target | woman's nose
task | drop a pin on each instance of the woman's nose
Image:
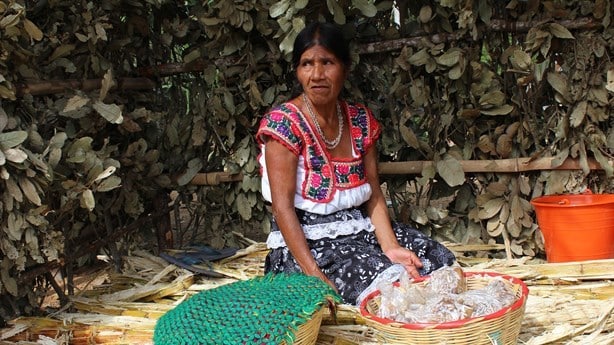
(318, 71)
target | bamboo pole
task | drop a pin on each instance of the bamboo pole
(458, 247)
(510, 165)
(576, 270)
(582, 290)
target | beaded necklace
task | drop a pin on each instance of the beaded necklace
(330, 144)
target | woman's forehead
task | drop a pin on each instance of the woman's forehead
(317, 51)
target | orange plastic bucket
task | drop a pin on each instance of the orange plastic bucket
(576, 227)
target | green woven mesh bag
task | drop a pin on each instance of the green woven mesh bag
(261, 310)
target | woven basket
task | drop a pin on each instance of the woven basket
(267, 310)
(500, 328)
(307, 333)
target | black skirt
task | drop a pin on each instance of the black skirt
(353, 261)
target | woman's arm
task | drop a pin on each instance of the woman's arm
(282, 169)
(378, 212)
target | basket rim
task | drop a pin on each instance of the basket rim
(451, 324)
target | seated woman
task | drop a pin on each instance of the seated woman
(319, 172)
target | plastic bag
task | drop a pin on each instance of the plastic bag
(443, 297)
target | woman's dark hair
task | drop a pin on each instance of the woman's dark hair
(327, 35)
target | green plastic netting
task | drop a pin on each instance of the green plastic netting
(261, 310)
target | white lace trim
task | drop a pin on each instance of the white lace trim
(326, 230)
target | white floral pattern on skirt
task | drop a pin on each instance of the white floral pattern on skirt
(353, 261)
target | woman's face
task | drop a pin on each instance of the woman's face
(321, 75)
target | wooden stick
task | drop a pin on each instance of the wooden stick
(215, 178)
(56, 287)
(495, 25)
(510, 165)
(46, 87)
(164, 229)
(199, 65)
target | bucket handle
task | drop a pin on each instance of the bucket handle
(587, 191)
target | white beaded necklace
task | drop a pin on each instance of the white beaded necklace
(330, 144)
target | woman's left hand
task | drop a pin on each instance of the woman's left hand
(407, 258)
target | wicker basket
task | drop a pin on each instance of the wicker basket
(307, 333)
(500, 328)
(266, 310)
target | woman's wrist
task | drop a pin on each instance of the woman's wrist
(389, 250)
(388, 246)
(316, 273)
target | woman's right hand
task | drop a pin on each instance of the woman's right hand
(407, 258)
(325, 279)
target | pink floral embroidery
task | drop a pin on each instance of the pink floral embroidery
(356, 133)
(276, 116)
(326, 171)
(316, 180)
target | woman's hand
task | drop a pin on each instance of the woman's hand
(407, 258)
(325, 279)
(317, 272)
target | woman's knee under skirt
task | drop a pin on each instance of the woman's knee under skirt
(352, 262)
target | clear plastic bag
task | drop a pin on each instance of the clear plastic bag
(443, 297)
(447, 280)
(489, 299)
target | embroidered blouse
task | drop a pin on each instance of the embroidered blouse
(325, 184)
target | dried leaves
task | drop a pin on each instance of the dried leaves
(63, 158)
(502, 96)
(507, 212)
(460, 91)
